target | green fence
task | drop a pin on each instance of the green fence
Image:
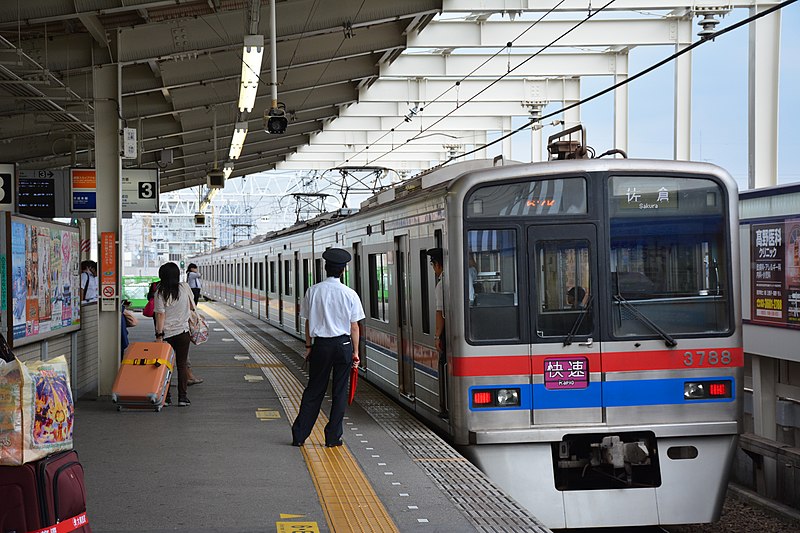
(134, 288)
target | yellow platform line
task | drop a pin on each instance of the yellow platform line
(347, 497)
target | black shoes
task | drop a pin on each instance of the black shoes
(184, 402)
(295, 443)
(333, 444)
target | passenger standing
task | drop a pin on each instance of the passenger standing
(193, 279)
(440, 338)
(332, 311)
(171, 309)
(88, 281)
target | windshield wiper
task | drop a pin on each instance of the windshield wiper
(578, 321)
(668, 340)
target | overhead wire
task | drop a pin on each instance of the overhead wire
(333, 56)
(457, 83)
(628, 80)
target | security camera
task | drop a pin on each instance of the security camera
(276, 121)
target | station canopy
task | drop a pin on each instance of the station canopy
(180, 65)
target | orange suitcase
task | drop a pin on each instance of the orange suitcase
(143, 377)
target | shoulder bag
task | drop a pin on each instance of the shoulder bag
(198, 328)
(149, 309)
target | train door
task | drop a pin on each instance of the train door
(563, 324)
(250, 279)
(297, 294)
(280, 288)
(405, 345)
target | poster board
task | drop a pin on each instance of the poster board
(41, 279)
(775, 272)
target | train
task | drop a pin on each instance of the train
(594, 357)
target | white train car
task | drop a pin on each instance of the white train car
(620, 406)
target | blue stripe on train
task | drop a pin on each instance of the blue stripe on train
(608, 394)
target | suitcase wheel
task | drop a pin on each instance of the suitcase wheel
(119, 408)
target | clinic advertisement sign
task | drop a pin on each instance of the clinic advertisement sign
(775, 272)
(83, 189)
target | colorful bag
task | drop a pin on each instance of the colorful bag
(149, 309)
(36, 410)
(198, 328)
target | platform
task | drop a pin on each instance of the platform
(226, 462)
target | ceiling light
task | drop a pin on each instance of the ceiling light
(252, 55)
(237, 142)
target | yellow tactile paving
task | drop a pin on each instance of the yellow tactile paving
(347, 497)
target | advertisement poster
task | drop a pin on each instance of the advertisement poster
(19, 282)
(44, 276)
(775, 271)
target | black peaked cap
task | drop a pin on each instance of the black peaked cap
(336, 256)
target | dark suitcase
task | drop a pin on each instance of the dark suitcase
(19, 493)
(46, 495)
(62, 490)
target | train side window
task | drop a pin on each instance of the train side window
(494, 311)
(307, 281)
(287, 278)
(379, 286)
(425, 299)
(272, 277)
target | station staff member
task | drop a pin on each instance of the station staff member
(332, 311)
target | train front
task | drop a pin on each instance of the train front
(596, 363)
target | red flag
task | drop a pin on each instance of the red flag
(353, 384)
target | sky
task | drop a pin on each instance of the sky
(719, 102)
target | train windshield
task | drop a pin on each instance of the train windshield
(493, 289)
(669, 273)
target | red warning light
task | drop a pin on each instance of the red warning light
(718, 390)
(482, 398)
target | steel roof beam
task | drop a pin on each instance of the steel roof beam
(595, 32)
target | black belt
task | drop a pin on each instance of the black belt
(330, 340)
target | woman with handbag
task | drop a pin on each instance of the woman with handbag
(149, 310)
(172, 310)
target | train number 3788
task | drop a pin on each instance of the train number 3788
(712, 357)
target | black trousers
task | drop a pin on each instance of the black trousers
(328, 355)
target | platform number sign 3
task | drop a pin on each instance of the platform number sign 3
(5, 190)
(147, 189)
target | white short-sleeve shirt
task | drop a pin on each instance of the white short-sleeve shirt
(176, 312)
(91, 288)
(330, 307)
(438, 294)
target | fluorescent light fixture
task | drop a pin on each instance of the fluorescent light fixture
(237, 142)
(227, 170)
(251, 69)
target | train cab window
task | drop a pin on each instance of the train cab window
(287, 278)
(493, 304)
(378, 265)
(669, 273)
(563, 288)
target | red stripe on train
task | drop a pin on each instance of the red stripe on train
(512, 365)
